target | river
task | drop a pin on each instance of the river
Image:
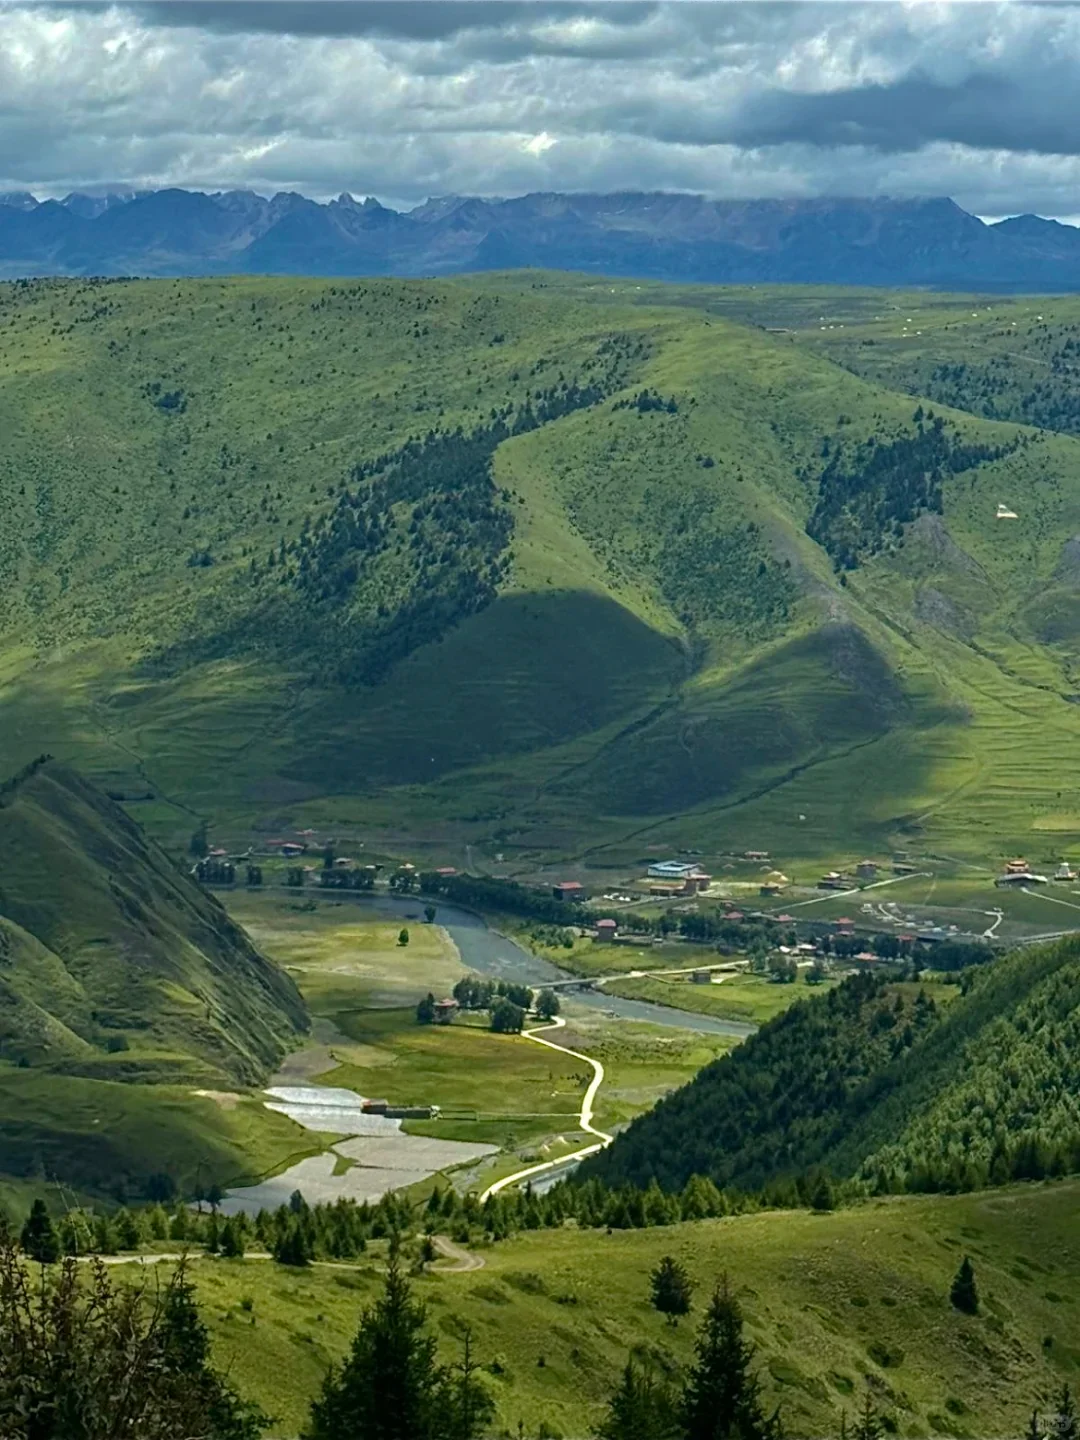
(490, 953)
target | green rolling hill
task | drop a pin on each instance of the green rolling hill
(885, 1085)
(124, 988)
(542, 565)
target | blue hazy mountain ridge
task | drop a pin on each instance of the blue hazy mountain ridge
(651, 235)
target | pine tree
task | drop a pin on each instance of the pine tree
(868, 1426)
(185, 1347)
(127, 1230)
(722, 1400)
(39, 1240)
(391, 1387)
(291, 1247)
(467, 1405)
(232, 1239)
(1064, 1425)
(641, 1408)
(964, 1293)
(671, 1289)
(821, 1197)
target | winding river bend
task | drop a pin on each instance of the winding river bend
(489, 953)
(388, 1161)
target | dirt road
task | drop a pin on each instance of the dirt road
(462, 1261)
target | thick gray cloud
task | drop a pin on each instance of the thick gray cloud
(406, 99)
(405, 19)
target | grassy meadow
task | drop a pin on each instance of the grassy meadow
(837, 1304)
(744, 997)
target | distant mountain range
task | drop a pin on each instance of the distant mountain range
(658, 236)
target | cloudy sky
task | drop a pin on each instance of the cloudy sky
(403, 100)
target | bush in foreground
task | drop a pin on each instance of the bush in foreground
(82, 1360)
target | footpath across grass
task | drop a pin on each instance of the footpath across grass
(836, 1304)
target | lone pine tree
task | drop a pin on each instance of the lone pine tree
(964, 1293)
(391, 1386)
(722, 1397)
(671, 1289)
(39, 1240)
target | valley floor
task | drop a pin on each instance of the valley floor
(506, 1103)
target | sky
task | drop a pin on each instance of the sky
(406, 100)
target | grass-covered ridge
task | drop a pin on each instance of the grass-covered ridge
(526, 563)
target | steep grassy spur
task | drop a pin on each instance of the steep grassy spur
(124, 991)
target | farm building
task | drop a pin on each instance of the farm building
(606, 930)
(671, 870)
(833, 880)
(445, 1010)
(568, 890)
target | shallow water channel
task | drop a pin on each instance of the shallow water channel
(486, 951)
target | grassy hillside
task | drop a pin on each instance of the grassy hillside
(122, 986)
(837, 1304)
(888, 1084)
(532, 565)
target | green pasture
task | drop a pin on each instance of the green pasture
(836, 1304)
(750, 997)
(670, 660)
(97, 1135)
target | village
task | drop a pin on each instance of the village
(671, 925)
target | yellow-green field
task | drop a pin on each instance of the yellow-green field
(342, 959)
(736, 997)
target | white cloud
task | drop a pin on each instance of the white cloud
(973, 100)
(539, 143)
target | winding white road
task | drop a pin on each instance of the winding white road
(584, 1119)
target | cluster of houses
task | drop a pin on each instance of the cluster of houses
(1018, 872)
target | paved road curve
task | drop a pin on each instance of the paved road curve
(584, 1119)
